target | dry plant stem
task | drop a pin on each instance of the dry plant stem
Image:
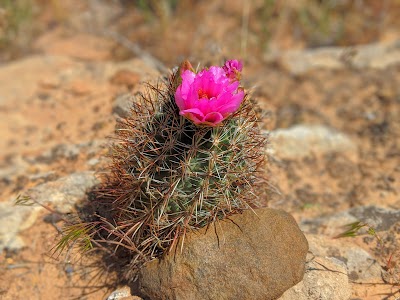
(135, 49)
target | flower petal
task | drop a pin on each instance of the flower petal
(188, 77)
(234, 102)
(213, 118)
(183, 91)
(179, 98)
(193, 114)
(187, 81)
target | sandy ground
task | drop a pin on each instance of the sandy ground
(64, 96)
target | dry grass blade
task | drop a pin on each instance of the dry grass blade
(352, 229)
(24, 200)
(75, 234)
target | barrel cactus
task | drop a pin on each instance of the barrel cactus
(190, 153)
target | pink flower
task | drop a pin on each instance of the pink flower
(232, 69)
(210, 96)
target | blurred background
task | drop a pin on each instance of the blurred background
(325, 74)
(171, 30)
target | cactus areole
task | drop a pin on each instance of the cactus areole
(190, 153)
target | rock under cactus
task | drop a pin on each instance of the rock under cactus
(255, 256)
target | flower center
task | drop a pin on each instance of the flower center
(202, 94)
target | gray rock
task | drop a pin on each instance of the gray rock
(65, 192)
(303, 140)
(47, 176)
(62, 194)
(360, 264)
(123, 293)
(325, 279)
(122, 105)
(14, 167)
(67, 151)
(330, 225)
(93, 161)
(118, 294)
(12, 220)
(379, 218)
(251, 256)
(379, 56)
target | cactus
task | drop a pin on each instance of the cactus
(169, 175)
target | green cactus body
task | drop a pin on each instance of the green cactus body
(169, 176)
